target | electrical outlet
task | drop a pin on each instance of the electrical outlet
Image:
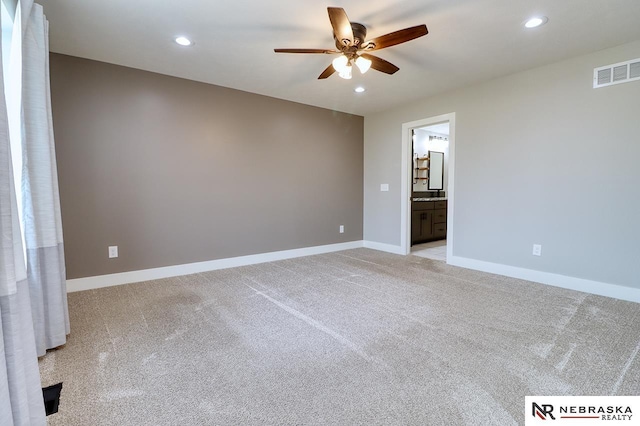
(342, 229)
(384, 187)
(537, 250)
(113, 252)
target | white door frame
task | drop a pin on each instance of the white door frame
(407, 179)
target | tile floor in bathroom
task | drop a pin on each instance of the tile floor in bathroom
(436, 250)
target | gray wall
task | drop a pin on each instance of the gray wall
(174, 171)
(540, 157)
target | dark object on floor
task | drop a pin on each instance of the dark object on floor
(51, 396)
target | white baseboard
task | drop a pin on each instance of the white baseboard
(89, 283)
(556, 280)
(389, 248)
(563, 281)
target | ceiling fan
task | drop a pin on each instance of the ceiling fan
(351, 44)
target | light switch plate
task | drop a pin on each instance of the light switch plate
(537, 250)
(384, 187)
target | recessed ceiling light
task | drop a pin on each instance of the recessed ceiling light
(536, 21)
(359, 89)
(183, 41)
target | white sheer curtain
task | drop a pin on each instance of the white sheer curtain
(33, 302)
(41, 201)
(20, 392)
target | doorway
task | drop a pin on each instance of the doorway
(431, 205)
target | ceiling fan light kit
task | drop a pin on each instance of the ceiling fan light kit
(351, 44)
(344, 66)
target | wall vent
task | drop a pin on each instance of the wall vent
(622, 72)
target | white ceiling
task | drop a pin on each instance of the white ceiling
(442, 128)
(468, 41)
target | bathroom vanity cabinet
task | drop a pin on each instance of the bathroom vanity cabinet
(428, 220)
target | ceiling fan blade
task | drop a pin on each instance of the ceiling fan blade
(396, 37)
(326, 73)
(341, 25)
(329, 51)
(380, 64)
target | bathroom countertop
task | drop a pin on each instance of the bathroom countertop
(431, 199)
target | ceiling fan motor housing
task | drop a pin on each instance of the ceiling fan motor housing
(359, 36)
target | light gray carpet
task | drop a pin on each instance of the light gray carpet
(355, 337)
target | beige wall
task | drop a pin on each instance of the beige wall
(174, 171)
(541, 157)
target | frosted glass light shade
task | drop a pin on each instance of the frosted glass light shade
(363, 64)
(346, 73)
(340, 63)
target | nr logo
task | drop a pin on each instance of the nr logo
(542, 411)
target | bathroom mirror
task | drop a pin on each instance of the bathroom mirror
(436, 170)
